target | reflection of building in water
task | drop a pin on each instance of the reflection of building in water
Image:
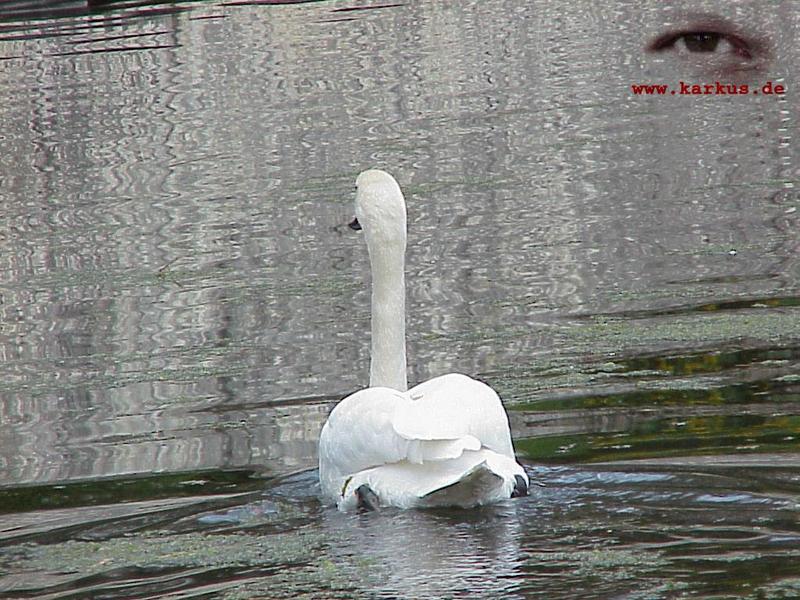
(272, 439)
(174, 189)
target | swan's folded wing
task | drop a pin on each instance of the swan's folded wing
(359, 432)
(362, 432)
(454, 407)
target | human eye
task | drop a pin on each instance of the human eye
(704, 42)
(713, 44)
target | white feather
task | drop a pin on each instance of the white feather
(444, 442)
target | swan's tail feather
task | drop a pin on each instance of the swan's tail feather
(474, 478)
(477, 486)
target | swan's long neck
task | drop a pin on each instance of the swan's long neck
(388, 366)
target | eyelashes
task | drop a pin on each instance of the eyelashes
(702, 41)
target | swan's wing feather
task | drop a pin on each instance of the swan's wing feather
(362, 432)
(451, 407)
(420, 451)
(358, 435)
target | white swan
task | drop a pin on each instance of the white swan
(445, 442)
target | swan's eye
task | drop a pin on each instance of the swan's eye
(354, 225)
(701, 41)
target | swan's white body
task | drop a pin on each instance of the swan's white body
(445, 442)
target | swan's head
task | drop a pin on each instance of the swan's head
(380, 208)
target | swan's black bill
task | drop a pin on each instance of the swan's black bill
(354, 225)
(520, 487)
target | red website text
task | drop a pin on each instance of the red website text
(707, 89)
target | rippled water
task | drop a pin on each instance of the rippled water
(181, 302)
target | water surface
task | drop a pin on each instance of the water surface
(181, 301)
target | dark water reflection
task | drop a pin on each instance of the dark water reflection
(181, 303)
(583, 533)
